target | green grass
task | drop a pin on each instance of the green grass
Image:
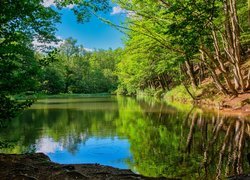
(179, 93)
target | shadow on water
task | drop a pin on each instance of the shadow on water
(149, 137)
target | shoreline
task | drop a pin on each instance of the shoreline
(230, 106)
(38, 166)
(238, 106)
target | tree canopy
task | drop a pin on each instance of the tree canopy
(194, 39)
(200, 44)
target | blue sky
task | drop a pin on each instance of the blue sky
(94, 34)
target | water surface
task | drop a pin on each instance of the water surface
(151, 138)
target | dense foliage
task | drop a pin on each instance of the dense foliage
(203, 43)
(168, 43)
(21, 22)
(79, 71)
(188, 42)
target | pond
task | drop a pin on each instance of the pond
(149, 137)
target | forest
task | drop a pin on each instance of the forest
(200, 47)
(172, 102)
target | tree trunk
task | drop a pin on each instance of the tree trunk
(221, 66)
(161, 82)
(192, 96)
(248, 80)
(190, 72)
(215, 77)
(233, 36)
(201, 73)
(165, 82)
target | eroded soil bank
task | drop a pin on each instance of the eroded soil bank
(39, 166)
(232, 106)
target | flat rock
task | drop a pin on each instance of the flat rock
(38, 166)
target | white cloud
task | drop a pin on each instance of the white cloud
(48, 3)
(48, 145)
(71, 6)
(88, 49)
(117, 10)
(42, 45)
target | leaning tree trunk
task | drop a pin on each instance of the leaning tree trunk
(190, 72)
(233, 48)
(248, 80)
(221, 67)
(211, 69)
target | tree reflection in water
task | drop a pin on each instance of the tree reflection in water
(183, 144)
(165, 140)
(226, 148)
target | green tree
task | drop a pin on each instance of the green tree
(202, 37)
(68, 50)
(80, 71)
(21, 22)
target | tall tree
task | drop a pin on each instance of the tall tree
(204, 34)
(21, 22)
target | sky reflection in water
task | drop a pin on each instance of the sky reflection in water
(151, 138)
(109, 151)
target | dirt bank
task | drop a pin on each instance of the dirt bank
(235, 106)
(38, 166)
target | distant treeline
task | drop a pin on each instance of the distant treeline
(75, 70)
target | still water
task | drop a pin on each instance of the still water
(149, 137)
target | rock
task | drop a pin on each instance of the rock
(68, 167)
(75, 175)
(39, 166)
